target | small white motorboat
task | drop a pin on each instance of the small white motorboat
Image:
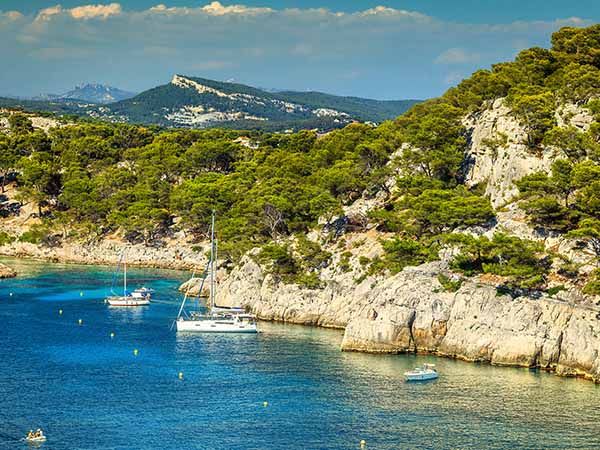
(427, 372)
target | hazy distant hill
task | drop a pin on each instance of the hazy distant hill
(201, 103)
(97, 93)
(91, 93)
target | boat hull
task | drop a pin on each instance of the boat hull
(127, 301)
(215, 326)
(421, 376)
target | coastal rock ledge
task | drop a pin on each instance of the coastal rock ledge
(6, 272)
(411, 312)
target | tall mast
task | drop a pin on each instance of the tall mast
(212, 262)
(124, 277)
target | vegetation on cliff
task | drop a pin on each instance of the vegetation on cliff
(91, 180)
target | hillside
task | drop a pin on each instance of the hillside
(469, 226)
(58, 107)
(198, 102)
(201, 103)
(95, 93)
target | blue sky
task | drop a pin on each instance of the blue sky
(390, 49)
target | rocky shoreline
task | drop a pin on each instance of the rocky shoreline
(411, 312)
(178, 256)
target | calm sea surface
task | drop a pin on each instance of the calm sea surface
(89, 391)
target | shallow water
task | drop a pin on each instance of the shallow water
(88, 391)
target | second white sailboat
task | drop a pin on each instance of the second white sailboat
(218, 319)
(137, 298)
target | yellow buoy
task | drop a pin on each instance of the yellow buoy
(60, 312)
(135, 352)
(80, 322)
(265, 404)
(181, 375)
(363, 443)
(112, 335)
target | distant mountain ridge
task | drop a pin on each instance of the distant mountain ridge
(90, 92)
(202, 103)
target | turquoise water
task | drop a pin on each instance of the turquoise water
(88, 391)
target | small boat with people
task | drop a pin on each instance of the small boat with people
(218, 319)
(427, 372)
(139, 297)
(36, 437)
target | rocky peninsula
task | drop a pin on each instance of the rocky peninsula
(413, 312)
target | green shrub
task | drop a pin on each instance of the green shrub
(520, 260)
(310, 280)
(344, 263)
(364, 261)
(279, 260)
(5, 238)
(555, 290)
(448, 284)
(400, 253)
(33, 236)
(593, 285)
(312, 256)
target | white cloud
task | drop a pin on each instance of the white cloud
(217, 9)
(47, 13)
(385, 50)
(384, 11)
(12, 15)
(95, 11)
(84, 12)
(212, 9)
(457, 56)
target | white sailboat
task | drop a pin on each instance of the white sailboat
(219, 319)
(137, 298)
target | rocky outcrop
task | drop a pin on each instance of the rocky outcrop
(411, 312)
(7, 272)
(497, 154)
(248, 286)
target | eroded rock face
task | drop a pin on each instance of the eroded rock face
(476, 324)
(332, 306)
(6, 272)
(411, 312)
(498, 155)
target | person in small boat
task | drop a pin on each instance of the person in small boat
(30, 435)
(39, 433)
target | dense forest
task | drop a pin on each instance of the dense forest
(90, 180)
